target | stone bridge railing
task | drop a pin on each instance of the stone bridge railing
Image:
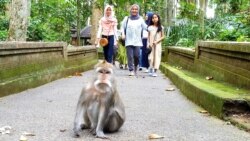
(25, 65)
(224, 61)
(214, 75)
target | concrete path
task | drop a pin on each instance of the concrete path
(48, 112)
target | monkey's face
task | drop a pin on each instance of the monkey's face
(104, 78)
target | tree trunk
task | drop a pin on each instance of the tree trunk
(95, 17)
(19, 15)
(170, 12)
(202, 15)
(78, 24)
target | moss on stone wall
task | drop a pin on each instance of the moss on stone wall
(28, 65)
(44, 76)
(209, 94)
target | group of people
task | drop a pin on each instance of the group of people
(142, 39)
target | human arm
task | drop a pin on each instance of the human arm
(144, 25)
(115, 33)
(150, 44)
(161, 38)
(124, 22)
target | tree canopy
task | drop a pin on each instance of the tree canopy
(51, 20)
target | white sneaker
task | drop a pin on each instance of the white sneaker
(150, 72)
(154, 75)
(131, 73)
(146, 71)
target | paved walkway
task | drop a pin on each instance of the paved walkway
(48, 112)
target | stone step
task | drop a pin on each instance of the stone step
(218, 98)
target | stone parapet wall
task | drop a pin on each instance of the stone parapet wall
(78, 56)
(224, 61)
(25, 65)
(226, 94)
(180, 57)
(24, 58)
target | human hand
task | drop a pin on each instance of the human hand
(151, 45)
(97, 43)
(123, 37)
(155, 43)
(116, 43)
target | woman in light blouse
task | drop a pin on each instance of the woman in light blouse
(107, 29)
(132, 27)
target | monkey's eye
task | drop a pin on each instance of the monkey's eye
(108, 72)
(100, 71)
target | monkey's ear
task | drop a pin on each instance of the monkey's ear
(103, 64)
(104, 61)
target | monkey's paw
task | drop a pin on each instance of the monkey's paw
(92, 131)
(76, 132)
(83, 126)
(101, 135)
(76, 135)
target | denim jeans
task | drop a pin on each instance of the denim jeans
(108, 50)
(133, 54)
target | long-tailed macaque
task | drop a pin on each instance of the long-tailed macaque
(100, 107)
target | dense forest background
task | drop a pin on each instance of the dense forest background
(185, 21)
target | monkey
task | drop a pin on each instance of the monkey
(100, 107)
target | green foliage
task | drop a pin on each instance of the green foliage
(232, 23)
(3, 35)
(4, 24)
(51, 20)
(4, 21)
(228, 28)
(185, 34)
(121, 54)
(189, 11)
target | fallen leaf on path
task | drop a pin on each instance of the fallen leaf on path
(28, 134)
(209, 77)
(170, 89)
(62, 130)
(155, 136)
(23, 138)
(203, 111)
(77, 74)
(69, 76)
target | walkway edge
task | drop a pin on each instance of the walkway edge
(210, 97)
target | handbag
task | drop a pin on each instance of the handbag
(103, 42)
(148, 50)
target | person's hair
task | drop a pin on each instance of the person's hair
(149, 15)
(158, 23)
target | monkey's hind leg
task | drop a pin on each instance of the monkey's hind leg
(92, 113)
(81, 120)
(114, 122)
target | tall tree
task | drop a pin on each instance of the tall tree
(170, 12)
(96, 15)
(19, 15)
(203, 5)
(78, 21)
